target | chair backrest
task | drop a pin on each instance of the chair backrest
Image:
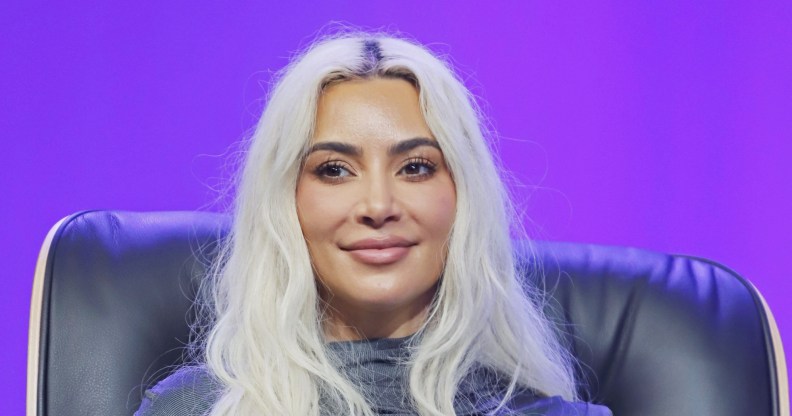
(655, 334)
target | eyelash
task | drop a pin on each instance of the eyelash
(323, 171)
(331, 171)
(419, 162)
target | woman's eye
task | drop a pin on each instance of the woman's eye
(332, 170)
(418, 169)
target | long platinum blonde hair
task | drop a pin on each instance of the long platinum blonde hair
(265, 342)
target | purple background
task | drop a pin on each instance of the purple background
(663, 125)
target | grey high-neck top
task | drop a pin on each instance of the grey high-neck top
(378, 368)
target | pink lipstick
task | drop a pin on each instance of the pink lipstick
(379, 251)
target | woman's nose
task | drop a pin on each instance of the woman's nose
(378, 204)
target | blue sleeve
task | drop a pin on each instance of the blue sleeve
(190, 391)
(556, 406)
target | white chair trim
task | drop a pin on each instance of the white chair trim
(780, 360)
(34, 327)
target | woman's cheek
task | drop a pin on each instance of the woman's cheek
(445, 205)
(321, 206)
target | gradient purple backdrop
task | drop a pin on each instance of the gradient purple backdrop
(663, 125)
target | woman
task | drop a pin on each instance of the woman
(369, 268)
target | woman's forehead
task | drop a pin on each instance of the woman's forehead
(370, 111)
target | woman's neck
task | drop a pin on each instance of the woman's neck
(345, 323)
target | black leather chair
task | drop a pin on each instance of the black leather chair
(655, 334)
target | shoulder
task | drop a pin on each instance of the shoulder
(556, 406)
(484, 388)
(190, 391)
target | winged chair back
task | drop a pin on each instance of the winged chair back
(655, 334)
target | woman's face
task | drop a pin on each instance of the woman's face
(376, 203)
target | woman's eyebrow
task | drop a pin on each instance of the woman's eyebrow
(410, 144)
(395, 149)
(343, 148)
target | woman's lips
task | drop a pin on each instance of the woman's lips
(379, 251)
(379, 256)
